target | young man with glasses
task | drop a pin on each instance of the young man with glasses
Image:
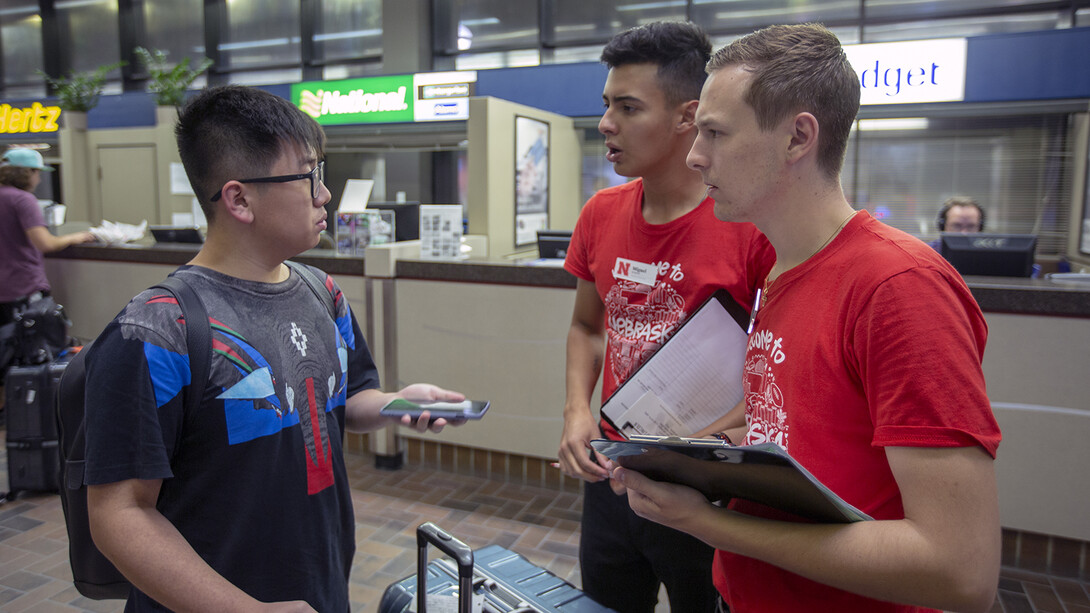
(244, 505)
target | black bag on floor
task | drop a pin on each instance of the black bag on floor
(41, 331)
(33, 463)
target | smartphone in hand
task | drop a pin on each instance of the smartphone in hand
(451, 411)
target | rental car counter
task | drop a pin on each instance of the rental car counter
(496, 330)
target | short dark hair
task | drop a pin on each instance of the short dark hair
(962, 201)
(799, 68)
(236, 132)
(679, 49)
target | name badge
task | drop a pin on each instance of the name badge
(637, 272)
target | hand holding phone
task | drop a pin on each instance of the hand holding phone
(451, 411)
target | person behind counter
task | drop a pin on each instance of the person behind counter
(961, 214)
(24, 237)
(245, 505)
(662, 218)
(864, 362)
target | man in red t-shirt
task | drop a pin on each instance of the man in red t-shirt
(664, 220)
(864, 362)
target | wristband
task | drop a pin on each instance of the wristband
(723, 437)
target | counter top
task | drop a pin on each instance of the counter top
(504, 272)
(1030, 296)
(177, 254)
(994, 294)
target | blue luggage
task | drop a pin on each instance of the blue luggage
(508, 582)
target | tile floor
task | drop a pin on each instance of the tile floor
(538, 522)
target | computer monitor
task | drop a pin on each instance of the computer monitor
(553, 244)
(176, 234)
(996, 255)
(406, 218)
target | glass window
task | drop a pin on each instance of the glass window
(847, 35)
(489, 24)
(89, 33)
(580, 20)
(570, 55)
(1082, 18)
(349, 29)
(598, 172)
(264, 77)
(499, 59)
(914, 9)
(261, 33)
(751, 14)
(337, 72)
(177, 27)
(1018, 167)
(21, 34)
(969, 26)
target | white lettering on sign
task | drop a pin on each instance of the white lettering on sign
(359, 101)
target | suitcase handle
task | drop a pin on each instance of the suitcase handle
(430, 533)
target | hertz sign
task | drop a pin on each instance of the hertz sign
(34, 119)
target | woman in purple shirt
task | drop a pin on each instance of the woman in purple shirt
(23, 233)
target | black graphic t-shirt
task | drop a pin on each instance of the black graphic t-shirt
(255, 480)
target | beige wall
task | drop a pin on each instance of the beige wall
(506, 344)
(94, 291)
(1036, 371)
(491, 207)
(121, 175)
(499, 343)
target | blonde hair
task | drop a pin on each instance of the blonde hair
(799, 68)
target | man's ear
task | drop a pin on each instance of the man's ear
(688, 115)
(804, 131)
(235, 202)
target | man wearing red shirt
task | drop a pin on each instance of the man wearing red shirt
(864, 362)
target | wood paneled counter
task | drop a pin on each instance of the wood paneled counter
(496, 330)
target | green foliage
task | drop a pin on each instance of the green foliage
(79, 91)
(169, 84)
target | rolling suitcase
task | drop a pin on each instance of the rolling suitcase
(33, 457)
(505, 581)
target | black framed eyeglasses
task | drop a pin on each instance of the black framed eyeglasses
(316, 176)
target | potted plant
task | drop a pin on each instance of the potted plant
(169, 84)
(79, 91)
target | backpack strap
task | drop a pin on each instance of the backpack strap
(316, 285)
(199, 343)
(198, 336)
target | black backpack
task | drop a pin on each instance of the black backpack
(93, 575)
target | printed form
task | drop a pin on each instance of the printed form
(692, 380)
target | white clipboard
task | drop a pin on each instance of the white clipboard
(694, 378)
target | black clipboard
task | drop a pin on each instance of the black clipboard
(763, 473)
(720, 298)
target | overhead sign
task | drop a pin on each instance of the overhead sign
(910, 71)
(435, 96)
(34, 119)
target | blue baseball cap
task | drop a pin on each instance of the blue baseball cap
(25, 158)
